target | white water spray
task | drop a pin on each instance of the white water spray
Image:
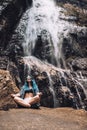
(56, 103)
(77, 90)
(44, 15)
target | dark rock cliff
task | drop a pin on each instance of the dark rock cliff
(74, 50)
(9, 20)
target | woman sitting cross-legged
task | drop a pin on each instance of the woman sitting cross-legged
(29, 94)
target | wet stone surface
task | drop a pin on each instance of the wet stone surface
(43, 119)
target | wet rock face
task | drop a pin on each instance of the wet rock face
(8, 23)
(44, 49)
(7, 87)
(59, 87)
(16, 69)
(3, 63)
(75, 45)
(3, 4)
(79, 64)
(81, 3)
(66, 98)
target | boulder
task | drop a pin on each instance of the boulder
(7, 86)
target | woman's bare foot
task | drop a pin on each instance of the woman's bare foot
(13, 95)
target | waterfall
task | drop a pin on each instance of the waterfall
(80, 77)
(77, 83)
(44, 22)
(56, 103)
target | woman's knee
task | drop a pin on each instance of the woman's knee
(21, 102)
(16, 99)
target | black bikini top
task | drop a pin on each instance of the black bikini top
(29, 91)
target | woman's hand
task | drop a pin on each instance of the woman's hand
(39, 93)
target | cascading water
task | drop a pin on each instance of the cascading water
(44, 22)
(56, 104)
(77, 85)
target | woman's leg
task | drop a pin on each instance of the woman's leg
(35, 99)
(21, 102)
(15, 95)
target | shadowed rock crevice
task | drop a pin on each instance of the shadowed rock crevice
(9, 19)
